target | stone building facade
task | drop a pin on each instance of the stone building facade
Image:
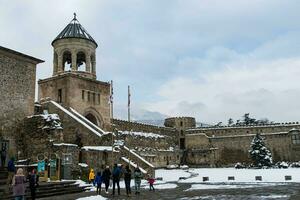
(17, 89)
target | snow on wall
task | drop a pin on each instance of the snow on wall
(77, 119)
(142, 134)
(65, 144)
(142, 159)
(90, 123)
(133, 164)
(97, 148)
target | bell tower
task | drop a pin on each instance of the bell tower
(73, 82)
(74, 50)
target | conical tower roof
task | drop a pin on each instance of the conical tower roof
(74, 30)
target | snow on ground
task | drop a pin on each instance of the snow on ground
(230, 186)
(96, 197)
(171, 175)
(240, 175)
(165, 186)
(249, 197)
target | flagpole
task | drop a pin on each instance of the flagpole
(111, 120)
(128, 104)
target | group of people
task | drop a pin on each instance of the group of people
(105, 175)
(18, 180)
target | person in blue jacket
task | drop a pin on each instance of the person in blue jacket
(98, 182)
(116, 173)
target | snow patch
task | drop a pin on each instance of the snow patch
(97, 148)
(96, 197)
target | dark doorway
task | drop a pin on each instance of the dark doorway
(92, 118)
(182, 143)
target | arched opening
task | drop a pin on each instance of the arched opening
(67, 61)
(92, 118)
(81, 61)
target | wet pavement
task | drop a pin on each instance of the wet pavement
(277, 192)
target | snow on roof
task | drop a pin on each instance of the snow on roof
(97, 148)
(133, 164)
(77, 119)
(142, 159)
(65, 144)
(142, 134)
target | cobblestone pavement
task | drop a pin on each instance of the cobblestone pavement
(278, 192)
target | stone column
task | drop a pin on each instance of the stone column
(88, 63)
(55, 63)
(94, 65)
(60, 64)
(74, 61)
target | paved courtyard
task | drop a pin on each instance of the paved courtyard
(285, 191)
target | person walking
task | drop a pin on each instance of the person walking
(18, 183)
(151, 181)
(91, 176)
(116, 178)
(127, 179)
(3, 156)
(98, 182)
(11, 172)
(33, 179)
(137, 179)
(106, 177)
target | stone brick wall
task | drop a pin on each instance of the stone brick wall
(124, 125)
(72, 130)
(242, 130)
(17, 89)
(231, 149)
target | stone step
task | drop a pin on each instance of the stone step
(53, 190)
(49, 194)
(3, 181)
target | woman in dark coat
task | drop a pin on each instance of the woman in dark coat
(127, 179)
(106, 177)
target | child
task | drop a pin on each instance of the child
(98, 182)
(151, 181)
(91, 176)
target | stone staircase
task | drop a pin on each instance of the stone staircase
(52, 189)
(129, 156)
(3, 179)
(48, 189)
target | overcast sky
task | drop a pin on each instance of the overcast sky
(211, 59)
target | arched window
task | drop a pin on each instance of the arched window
(81, 61)
(92, 118)
(67, 61)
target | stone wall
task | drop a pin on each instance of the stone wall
(124, 125)
(17, 89)
(242, 130)
(227, 150)
(75, 132)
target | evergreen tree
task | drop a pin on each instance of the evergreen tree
(259, 153)
(230, 121)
